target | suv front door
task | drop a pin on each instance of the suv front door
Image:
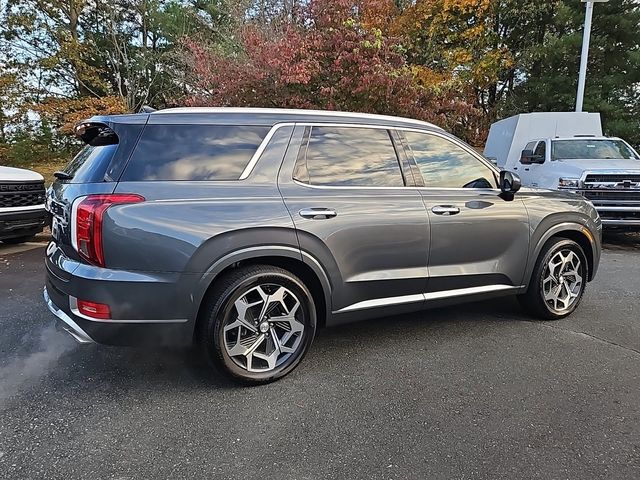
(479, 237)
(353, 212)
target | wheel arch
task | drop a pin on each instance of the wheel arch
(300, 263)
(572, 231)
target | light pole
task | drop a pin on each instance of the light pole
(586, 36)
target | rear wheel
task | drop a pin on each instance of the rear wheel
(258, 325)
(558, 280)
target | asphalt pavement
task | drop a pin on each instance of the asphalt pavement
(468, 392)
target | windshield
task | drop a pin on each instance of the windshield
(591, 150)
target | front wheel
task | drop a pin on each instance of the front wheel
(558, 280)
(259, 324)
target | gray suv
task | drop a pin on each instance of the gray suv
(246, 230)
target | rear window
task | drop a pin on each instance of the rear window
(89, 165)
(193, 152)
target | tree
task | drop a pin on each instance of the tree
(550, 70)
(325, 58)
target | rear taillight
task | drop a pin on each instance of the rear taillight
(87, 218)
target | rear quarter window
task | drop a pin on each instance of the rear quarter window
(90, 163)
(193, 152)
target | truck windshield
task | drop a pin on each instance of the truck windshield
(591, 150)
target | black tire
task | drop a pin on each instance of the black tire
(220, 311)
(533, 300)
(17, 240)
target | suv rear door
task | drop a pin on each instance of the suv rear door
(479, 237)
(354, 212)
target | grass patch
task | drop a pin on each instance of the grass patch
(44, 168)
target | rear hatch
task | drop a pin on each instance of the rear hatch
(108, 142)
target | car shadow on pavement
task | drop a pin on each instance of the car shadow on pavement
(621, 240)
(184, 368)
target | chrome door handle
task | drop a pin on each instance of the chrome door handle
(445, 210)
(317, 213)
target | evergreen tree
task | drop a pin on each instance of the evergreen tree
(549, 71)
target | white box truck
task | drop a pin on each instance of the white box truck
(567, 151)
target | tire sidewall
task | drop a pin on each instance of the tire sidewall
(215, 330)
(540, 271)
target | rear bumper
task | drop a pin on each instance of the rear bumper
(22, 222)
(146, 309)
(67, 323)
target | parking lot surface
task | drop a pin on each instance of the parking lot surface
(474, 391)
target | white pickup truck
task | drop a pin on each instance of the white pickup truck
(22, 210)
(567, 151)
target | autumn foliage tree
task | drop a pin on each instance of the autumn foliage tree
(330, 56)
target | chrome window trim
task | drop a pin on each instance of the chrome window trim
(256, 156)
(427, 296)
(261, 148)
(350, 187)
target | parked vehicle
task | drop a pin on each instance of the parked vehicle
(22, 210)
(245, 230)
(567, 151)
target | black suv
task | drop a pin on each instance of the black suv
(245, 230)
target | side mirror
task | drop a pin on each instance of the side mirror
(509, 182)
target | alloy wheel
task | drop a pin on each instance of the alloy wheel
(562, 280)
(264, 328)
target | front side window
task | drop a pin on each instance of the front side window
(541, 149)
(443, 164)
(352, 156)
(193, 152)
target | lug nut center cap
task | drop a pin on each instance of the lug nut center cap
(264, 327)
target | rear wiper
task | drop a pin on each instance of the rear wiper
(62, 175)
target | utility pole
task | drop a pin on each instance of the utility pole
(586, 36)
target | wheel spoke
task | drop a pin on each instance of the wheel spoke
(562, 280)
(258, 346)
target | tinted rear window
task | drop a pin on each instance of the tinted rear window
(193, 152)
(91, 162)
(89, 165)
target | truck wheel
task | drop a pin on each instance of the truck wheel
(558, 280)
(258, 324)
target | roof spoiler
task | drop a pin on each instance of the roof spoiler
(95, 133)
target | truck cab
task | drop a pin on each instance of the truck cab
(573, 156)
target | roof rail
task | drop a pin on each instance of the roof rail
(287, 111)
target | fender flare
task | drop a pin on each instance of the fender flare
(558, 228)
(219, 265)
